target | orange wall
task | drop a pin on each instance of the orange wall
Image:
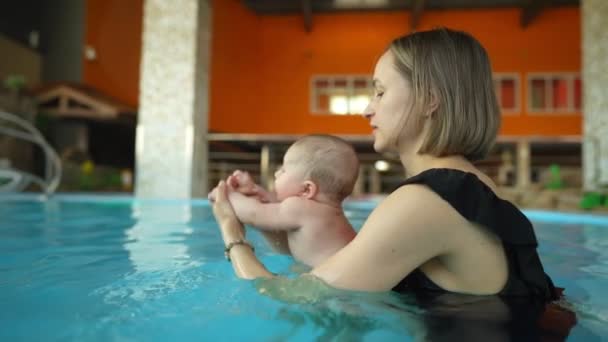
(113, 28)
(261, 65)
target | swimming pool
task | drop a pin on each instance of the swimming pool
(101, 268)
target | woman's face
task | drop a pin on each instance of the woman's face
(389, 110)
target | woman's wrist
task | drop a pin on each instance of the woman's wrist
(232, 230)
(229, 238)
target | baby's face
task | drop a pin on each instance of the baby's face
(289, 179)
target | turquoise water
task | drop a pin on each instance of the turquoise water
(112, 269)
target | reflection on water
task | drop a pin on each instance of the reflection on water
(157, 240)
(157, 246)
(355, 316)
(106, 270)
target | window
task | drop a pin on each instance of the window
(340, 95)
(507, 92)
(554, 93)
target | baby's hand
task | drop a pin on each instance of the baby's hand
(212, 196)
(243, 182)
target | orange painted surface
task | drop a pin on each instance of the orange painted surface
(113, 28)
(261, 65)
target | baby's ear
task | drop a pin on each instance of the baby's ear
(310, 190)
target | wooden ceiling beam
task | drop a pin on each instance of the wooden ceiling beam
(531, 10)
(417, 9)
(307, 13)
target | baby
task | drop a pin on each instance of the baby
(304, 216)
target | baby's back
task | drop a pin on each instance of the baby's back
(324, 231)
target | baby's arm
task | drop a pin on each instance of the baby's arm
(272, 219)
(280, 216)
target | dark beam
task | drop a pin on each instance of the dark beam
(307, 13)
(282, 7)
(417, 9)
(531, 10)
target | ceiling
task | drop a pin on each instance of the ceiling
(318, 6)
(530, 9)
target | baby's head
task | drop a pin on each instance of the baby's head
(328, 163)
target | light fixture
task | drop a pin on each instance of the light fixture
(338, 105)
(382, 165)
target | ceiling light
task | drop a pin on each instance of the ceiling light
(382, 165)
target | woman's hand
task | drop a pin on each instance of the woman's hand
(229, 224)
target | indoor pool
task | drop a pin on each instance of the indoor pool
(108, 268)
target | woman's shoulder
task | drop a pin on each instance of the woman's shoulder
(477, 202)
(454, 185)
(417, 204)
(448, 178)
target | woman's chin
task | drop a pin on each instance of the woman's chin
(379, 146)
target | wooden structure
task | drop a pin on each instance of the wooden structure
(80, 101)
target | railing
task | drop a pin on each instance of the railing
(18, 180)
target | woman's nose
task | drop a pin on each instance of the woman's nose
(368, 112)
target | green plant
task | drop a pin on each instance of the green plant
(555, 180)
(591, 200)
(15, 82)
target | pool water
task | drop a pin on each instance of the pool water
(111, 268)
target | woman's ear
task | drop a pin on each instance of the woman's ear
(433, 104)
(310, 190)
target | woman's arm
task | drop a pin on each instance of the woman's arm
(243, 259)
(408, 228)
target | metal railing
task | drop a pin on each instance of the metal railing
(18, 180)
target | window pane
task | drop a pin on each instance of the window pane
(340, 83)
(361, 83)
(559, 89)
(323, 103)
(578, 98)
(322, 83)
(338, 104)
(358, 103)
(507, 94)
(538, 94)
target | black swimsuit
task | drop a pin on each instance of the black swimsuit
(477, 203)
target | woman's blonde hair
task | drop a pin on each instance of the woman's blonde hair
(450, 70)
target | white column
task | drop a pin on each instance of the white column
(594, 19)
(523, 164)
(266, 168)
(359, 188)
(171, 147)
(375, 180)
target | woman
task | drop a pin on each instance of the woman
(444, 229)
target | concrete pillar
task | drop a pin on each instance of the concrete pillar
(523, 164)
(266, 168)
(375, 180)
(171, 147)
(594, 19)
(359, 188)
